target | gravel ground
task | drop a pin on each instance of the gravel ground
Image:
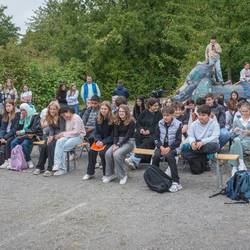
(67, 213)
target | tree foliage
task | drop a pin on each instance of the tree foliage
(150, 44)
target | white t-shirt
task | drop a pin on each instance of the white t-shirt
(26, 95)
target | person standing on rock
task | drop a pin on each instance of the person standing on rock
(212, 54)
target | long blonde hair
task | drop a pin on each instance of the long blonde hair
(100, 118)
(49, 118)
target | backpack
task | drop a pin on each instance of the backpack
(237, 187)
(157, 180)
(17, 159)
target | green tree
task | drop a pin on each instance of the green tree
(7, 29)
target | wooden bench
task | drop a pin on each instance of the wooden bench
(221, 158)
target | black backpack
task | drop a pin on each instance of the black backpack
(157, 180)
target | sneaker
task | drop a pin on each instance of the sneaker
(107, 179)
(37, 171)
(175, 187)
(47, 173)
(71, 157)
(130, 164)
(168, 172)
(124, 180)
(234, 170)
(5, 164)
(30, 164)
(55, 168)
(87, 177)
(59, 172)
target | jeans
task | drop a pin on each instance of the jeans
(116, 160)
(76, 108)
(47, 152)
(6, 148)
(224, 137)
(239, 146)
(216, 63)
(64, 145)
(197, 159)
(92, 160)
(170, 159)
(26, 144)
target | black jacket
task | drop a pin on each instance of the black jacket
(56, 129)
(220, 114)
(34, 127)
(12, 132)
(148, 121)
(103, 132)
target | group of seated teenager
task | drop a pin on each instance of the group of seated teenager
(194, 130)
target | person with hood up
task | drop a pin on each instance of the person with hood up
(28, 129)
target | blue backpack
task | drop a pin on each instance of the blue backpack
(237, 187)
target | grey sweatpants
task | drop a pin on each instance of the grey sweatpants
(115, 162)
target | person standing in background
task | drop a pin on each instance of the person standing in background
(61, 94)
(120, 90)
(245, 73)
(26, 94)
(72, 98)
(89, 89)
(212, 54)
(9, 91)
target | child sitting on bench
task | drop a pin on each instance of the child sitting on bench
(167, 140)
(203, 138)
(241, 141)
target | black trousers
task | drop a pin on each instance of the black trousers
(147, 142)
(5, 149)
(197, 159)
(170, 159)
(47, 151)
(92, 155)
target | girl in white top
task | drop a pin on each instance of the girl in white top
(72, 98)
(26, 95)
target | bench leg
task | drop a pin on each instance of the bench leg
(67, 161)
(219, 176)
(74, 159)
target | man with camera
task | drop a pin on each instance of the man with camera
(212, 54)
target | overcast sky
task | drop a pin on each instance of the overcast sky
(21, 10)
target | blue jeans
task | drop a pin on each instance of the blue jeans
(224, 137)
(216, 63)
(64, 145)
(26, 146)
(76, 108)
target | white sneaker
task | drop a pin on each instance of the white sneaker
(130, 163)
(37, 171)
(234, 170)
(87, 177)
(59, 172)
(242, 167)
(124, 180)
(175, 187)
(55, 168)
(107, 179)
(30, 164)
(71, 157)
(168, 172)
(5, 164)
